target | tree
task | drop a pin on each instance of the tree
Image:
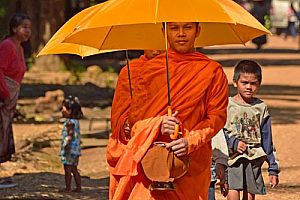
(47, 17)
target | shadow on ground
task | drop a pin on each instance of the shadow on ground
(46, 185)
(264, 62)
(282, 114)
(97, 134)
(285, 92)
(248, 50)
(90, 94)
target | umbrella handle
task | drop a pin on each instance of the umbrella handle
(176, 131)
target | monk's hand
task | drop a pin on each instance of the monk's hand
(127, 130)
(241, 147)
(168, 123)
(180, 146)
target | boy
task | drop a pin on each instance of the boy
(251, 146)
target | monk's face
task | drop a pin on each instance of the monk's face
(182, 35)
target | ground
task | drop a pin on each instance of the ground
(39, 174)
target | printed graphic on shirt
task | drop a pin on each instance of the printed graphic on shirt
(247, 127)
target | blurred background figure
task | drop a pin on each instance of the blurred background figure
(12, 70)
(281, 13)
(245, 4)
(291, 27)
(261, 11)
(297, 14)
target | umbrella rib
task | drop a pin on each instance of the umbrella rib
(225, 11)
(156, 11)
(105, 37)
(231, 26)
(128, 73)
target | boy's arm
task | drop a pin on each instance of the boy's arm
(235, 146)
(232, 142)
(267, 145)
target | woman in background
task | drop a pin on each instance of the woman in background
(12, 69)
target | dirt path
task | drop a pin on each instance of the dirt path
(37, 170)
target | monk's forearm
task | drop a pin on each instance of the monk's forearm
(198, 138)
(204, 132)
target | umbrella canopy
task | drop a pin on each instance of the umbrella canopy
(55, 45)
(136, 24)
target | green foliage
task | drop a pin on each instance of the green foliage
(3, 6)
(3, 14)
(110, 80)
(29, 62)
(267, 21)
(76, 69)
(74, 66)
(110, 69)
(92, 2)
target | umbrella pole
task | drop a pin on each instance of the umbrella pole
(167, 65)
(176, 133)
(128, 71)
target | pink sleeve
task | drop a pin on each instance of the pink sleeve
(5, 54)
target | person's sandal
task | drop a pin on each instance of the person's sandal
(7, 183)
(64, 190)
(77, 190)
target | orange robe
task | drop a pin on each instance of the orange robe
(199, 92)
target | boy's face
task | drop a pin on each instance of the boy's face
(247, 85)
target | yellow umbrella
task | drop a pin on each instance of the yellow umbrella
(136, 24)
(55, 45)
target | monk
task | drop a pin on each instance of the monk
(199, 93)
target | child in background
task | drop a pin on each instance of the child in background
(250, 147)
(70, 144)
(219, 165)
